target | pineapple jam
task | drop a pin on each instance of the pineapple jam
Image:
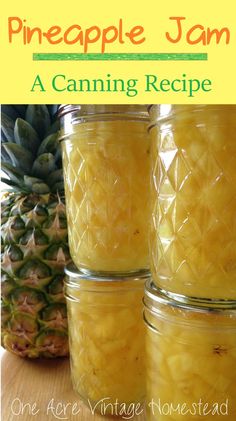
(190, 361)
(106, 161)
(193, 226)
(106, 338)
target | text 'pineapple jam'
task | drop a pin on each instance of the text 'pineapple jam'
(106, 161)
(190, 359)
(193, 227)
(106, 337)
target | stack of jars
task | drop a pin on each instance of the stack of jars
(190, 304)
(106, 163)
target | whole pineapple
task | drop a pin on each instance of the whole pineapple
(34, 234)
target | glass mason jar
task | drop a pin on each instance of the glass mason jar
(106, 162)
(191, 359)
(106, 339)
(193, 232)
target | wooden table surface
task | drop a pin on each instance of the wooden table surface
(35, 390)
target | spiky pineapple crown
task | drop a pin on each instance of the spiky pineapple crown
(30, 150)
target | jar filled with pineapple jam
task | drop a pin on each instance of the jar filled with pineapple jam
(191, 359)
(106, 163)
(106, 339)
(193, 195)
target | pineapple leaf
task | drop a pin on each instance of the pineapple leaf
(7, 181)
(39, 118)
(53, 110)
(13, 173)
(49, 144)
(26, 136)
(20, 157)
(40, 188)
(7, 125)
(36, 185)
(14, 185)
(58, 187)
(3, 137)
(55, 176)
(4, 155)
(10, 111)
(29, 181)
(21, 109)
(43, 165)
(58, 155)
(55, 127)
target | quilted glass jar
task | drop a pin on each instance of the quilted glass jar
(193, 228)
(190, 359)
(106, 162)
(106, 338)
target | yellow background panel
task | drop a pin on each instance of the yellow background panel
(18, 70)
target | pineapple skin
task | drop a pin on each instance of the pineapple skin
(34, 234)
(34, 253)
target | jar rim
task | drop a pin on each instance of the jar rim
(77, 275)
(88, 110)
(79, 281)
(155, 297)
(162, 112)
